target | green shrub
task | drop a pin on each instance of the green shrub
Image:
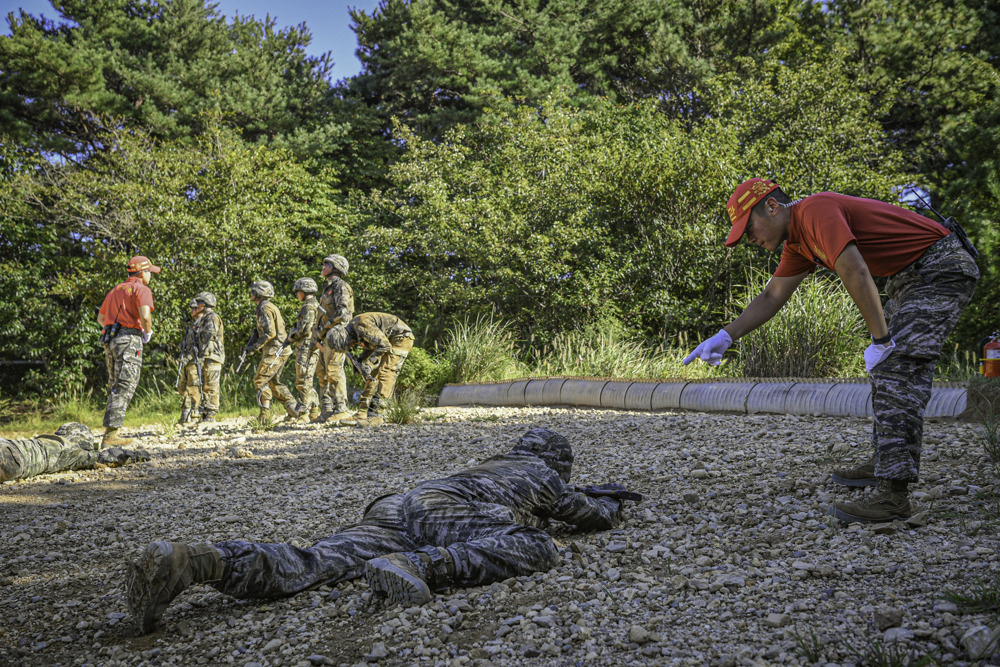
(424, 372)
(404, 407)
(819, 333)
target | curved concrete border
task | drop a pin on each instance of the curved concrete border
(845, 398)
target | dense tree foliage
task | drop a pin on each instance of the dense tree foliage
(554, 162)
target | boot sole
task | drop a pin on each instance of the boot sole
(863, 481)
(396, 583)
(854, 518)
(139, 578)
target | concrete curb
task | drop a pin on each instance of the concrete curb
(796, 396)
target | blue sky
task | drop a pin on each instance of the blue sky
(327, 20)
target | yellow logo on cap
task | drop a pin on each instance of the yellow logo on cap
(732, 212)
(760, 187)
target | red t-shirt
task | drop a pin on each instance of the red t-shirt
(122, 303)
(890, 238)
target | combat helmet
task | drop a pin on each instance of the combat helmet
(550, 447)
(77, 434)
(193, 303)
(337, 338)
(338, 262)
(307, 285)
(262, 288)
(206, 298)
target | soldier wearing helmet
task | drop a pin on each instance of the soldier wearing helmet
(306, 354)
(72, 447)
(336, 306)
(269, 339)
(387, 341)
(202, 356)
(477, 526)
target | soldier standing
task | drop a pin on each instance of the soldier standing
(306, 354)
(127, 319)
(202, 356)
(269, 340)
(480, 525)
(72, 447)
(336, 306)
(387, 341)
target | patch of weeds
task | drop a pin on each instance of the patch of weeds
(258, 425)
(989, 435)
(405, 408)
(878, 653)
(809, 646)
(984, 598)
(170, 430)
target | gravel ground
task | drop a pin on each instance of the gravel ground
(730, 560)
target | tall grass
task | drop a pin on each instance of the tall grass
(481, 351)
(819, 333)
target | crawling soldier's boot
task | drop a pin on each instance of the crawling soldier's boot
(116, 456)
(159, 575)
(112, 439)
(862, 475)
(410, 576)
(185, 417)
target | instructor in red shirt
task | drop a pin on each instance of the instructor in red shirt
(932, 275)
(126, 317)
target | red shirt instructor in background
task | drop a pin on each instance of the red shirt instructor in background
(127, 320)
(932, 274)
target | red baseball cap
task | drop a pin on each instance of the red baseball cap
(747, 194)
(140, 263)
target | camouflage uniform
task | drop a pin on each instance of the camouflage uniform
(306, 354)
(925, 301)
(123, 356)
(488, 518)
(202, 356)
(270, 336)
(387, 341)
(71, 448)
(336, 306)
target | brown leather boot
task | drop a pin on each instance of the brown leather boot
(112, 439)
(160, 574)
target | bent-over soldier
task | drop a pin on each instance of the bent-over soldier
(387, 341)
(269, 340)
(72, 447)
(202, 356)
(336, 306)
(306, 354)
(480, 525)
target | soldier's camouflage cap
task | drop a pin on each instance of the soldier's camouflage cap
(206, 298)
(262, 288)
(307, 285)
(338, 262)
(77, 434)
(550, 447)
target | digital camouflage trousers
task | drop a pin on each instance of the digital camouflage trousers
(306, 360)
(483, 539)
(267, 379)
(196, 396)
(332, 379)
(925, 301)
(123, 356)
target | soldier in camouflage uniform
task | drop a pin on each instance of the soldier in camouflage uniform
(336, 306)
(306, 354)
(932, 274)
(387, 341)
(480, 525)
(73, 447)
(202, 356)
(269, 339)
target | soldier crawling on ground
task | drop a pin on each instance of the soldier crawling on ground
(72, 447)
(478, 526)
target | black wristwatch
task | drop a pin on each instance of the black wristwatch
(883, 340)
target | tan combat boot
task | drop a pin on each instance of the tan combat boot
(112, 439)
(410, 577)
(159, 575)
(862, 475)
(892, 504)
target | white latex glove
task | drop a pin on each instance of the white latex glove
(711, 350)
(876, 354)
(146, 335)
